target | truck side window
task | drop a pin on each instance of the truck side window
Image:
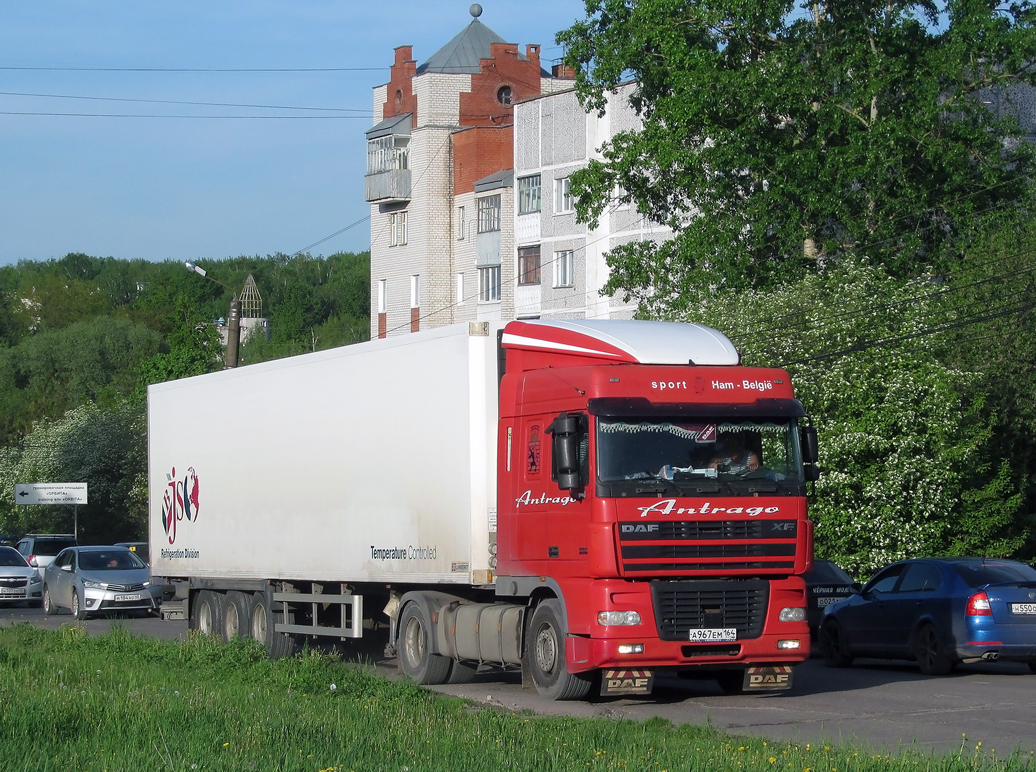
(534, 451)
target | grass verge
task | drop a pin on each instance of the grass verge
(118, 702)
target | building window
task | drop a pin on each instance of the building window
(529, 265)
(504, 95)
(397, 229)
(563, 201)
(489, 214)
(415, 291)
(564, 268)
(529, 194)
(387, 154)
(489, 284)
(460, 223)
(382, 300)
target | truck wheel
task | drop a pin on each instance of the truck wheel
(263, 620)
(415, 656)
(235, 616)
(208, 613)
(461, 672)
(731, 681)
(48, 602)
(931, 654)
(545, 650)
(78, 611)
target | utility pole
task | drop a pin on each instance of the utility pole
(233, 318)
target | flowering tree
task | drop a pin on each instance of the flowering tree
(103, 448)
(905, 450)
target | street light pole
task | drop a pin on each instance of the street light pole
(233, 318)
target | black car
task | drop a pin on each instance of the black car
(826, 582)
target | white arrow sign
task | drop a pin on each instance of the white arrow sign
(50, 493)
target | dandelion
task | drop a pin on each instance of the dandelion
(333, 687)
(773, 759)
(225, 744)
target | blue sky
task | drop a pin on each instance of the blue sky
(168, 184)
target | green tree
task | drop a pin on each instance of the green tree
(194, 347)
(776, 138)
(106, 449)
(910, 456)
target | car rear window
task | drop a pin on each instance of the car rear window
(51, 547)
(977, 575)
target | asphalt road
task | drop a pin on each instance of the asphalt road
(879, 705)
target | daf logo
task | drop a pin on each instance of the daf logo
(640, 527)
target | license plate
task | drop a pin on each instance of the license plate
(821, 602)
(712, 634)
(1023, 608)
(126, 598)
(12, 592)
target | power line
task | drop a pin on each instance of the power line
(365, 112)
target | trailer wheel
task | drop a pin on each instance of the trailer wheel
(545, 656)
(208, 613)
(415, 656)
(235, 616)
(277, 645)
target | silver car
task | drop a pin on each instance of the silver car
(93, 580)
(18, 580)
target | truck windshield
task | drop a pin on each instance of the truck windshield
(705, 457)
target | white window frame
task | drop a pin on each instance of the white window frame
(382, 296)
(527, 276)
(529, 194)
(489, 213)
(415, 291)
(489, 284)
(397, 229)
(564, 268)
(564, 203)
(460, 223)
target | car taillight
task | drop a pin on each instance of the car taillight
(978, 605)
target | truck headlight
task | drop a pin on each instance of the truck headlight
(797, 614)
(614, 618)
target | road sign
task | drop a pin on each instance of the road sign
(50, 493)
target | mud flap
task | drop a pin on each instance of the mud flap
(765, 678)
(614, 682)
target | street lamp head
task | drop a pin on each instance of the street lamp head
(194, 267)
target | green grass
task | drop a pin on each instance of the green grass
(118, 702)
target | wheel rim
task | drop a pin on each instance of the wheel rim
(413, 642)
(75, 603)
(546, 650)
(259, 623)
(929, 647)
(205, 618)
(46, 599)
(233, 621)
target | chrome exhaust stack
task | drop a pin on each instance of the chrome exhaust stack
(991, 656)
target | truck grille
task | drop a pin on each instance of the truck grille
(694, 545)
(710, 604)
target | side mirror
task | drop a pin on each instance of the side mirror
(810, 453)
(66, 567)
(567, 437)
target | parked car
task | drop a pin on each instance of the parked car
(18, 580)
(91, 580)
(938, 611)
(39, 549)
(826, 582)
(139, 547)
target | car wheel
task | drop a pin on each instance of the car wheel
(931, 654)
(545, 656)
(235, 616)
(78, 610)
(415, 655)
(48, 602)
(833, 645)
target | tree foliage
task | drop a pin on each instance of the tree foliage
(104, 448)
(911, 457)
(775, 138)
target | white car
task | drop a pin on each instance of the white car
(93, 580)
(19, 582)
